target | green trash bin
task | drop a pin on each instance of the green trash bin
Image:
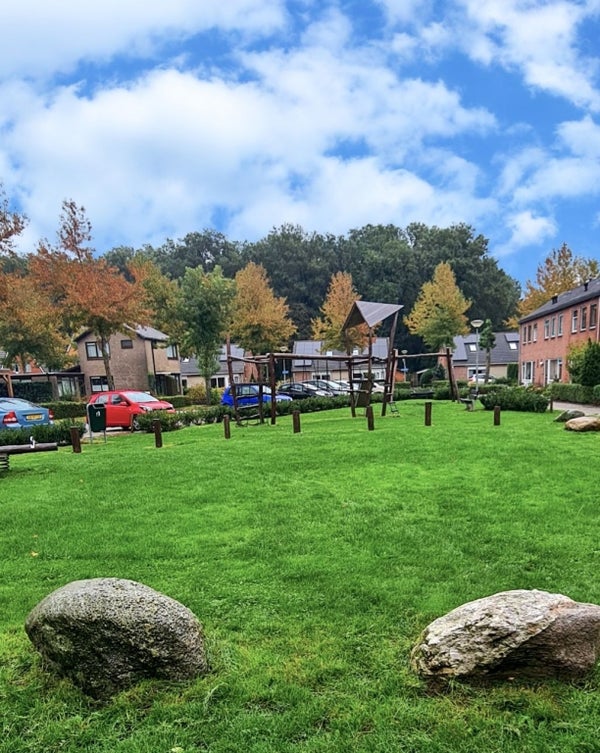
(96, 415)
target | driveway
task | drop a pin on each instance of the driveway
(589, 410)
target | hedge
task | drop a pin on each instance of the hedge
(527, 399)
(574, 393)
(59, 432)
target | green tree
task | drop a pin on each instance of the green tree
(590, 367)
(299, 266)
(261, 322)
(439, 312)
(205, 307)
(487, 342)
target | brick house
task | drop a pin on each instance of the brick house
(567, 319)
(467, 359)
(141, 358)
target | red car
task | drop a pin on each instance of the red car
(122, 406)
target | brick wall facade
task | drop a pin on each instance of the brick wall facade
(548, 333)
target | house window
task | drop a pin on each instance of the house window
(553, 370)
(593, 315)
(529, 330)
(584, 317)
(472, 347)
(546, 329)
(574, 320)
(93, 350)
(512, 345)
(527, 372)
(553, 327)
(126, 344)
(217, 382)
(560, 325)
(524, 334)
(172, 352)
(535, 333)
(99, 384)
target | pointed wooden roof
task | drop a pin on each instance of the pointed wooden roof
(369, 313)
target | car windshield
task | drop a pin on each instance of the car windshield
(140, 397)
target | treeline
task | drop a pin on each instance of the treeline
(387, 264)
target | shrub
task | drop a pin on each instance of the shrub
(168, 421)
(571, 393)
(197, 393)
(66, 409)
(59, 432)
(529, 399)
(512, 372)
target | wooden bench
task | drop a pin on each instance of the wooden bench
(20, 449)
(469, 401)
(423, 394)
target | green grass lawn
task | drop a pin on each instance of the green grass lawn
(313, 560)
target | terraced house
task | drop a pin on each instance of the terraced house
(547, 333)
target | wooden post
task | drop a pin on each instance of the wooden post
(296, 421)
(427, 414)
(273, 386)
(157, 433)
(369, 415)
(497, 415)
(75, 439)
(227, 427)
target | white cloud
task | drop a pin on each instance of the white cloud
(40, 38)
(526, 229)
(537, 38)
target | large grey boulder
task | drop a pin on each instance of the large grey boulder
(518, 633)
(105, 634)
(584, 423)
(567, 415)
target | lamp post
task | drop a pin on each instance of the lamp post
(477, 323)
(404, 369)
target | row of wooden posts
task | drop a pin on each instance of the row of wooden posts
(76, 439)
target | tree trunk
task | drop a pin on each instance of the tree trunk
(110, 381)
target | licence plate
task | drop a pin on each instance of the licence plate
(33, 416)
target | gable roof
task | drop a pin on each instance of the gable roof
(581, 293)
(189, 366)
(465, 353)
(145, 333)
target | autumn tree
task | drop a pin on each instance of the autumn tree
(559, 272)
(260, 321)
(439, 311)
(205, 305)
(87, 291)
(29, 324)
(341, 296)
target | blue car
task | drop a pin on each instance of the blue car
(247, 394)
(16, 413)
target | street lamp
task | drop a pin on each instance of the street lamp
(404, 369)
(477, 323)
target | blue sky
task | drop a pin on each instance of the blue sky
(241, 115)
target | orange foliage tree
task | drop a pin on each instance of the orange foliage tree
(339, 300)
(260, 321)
(86, 291)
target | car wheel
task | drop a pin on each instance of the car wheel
(135, 424)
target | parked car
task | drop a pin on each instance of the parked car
(302, 390)
(377, 386)
(481, 379)
(329, 385)
(247, 393)
(122, 406)
(16, 413)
